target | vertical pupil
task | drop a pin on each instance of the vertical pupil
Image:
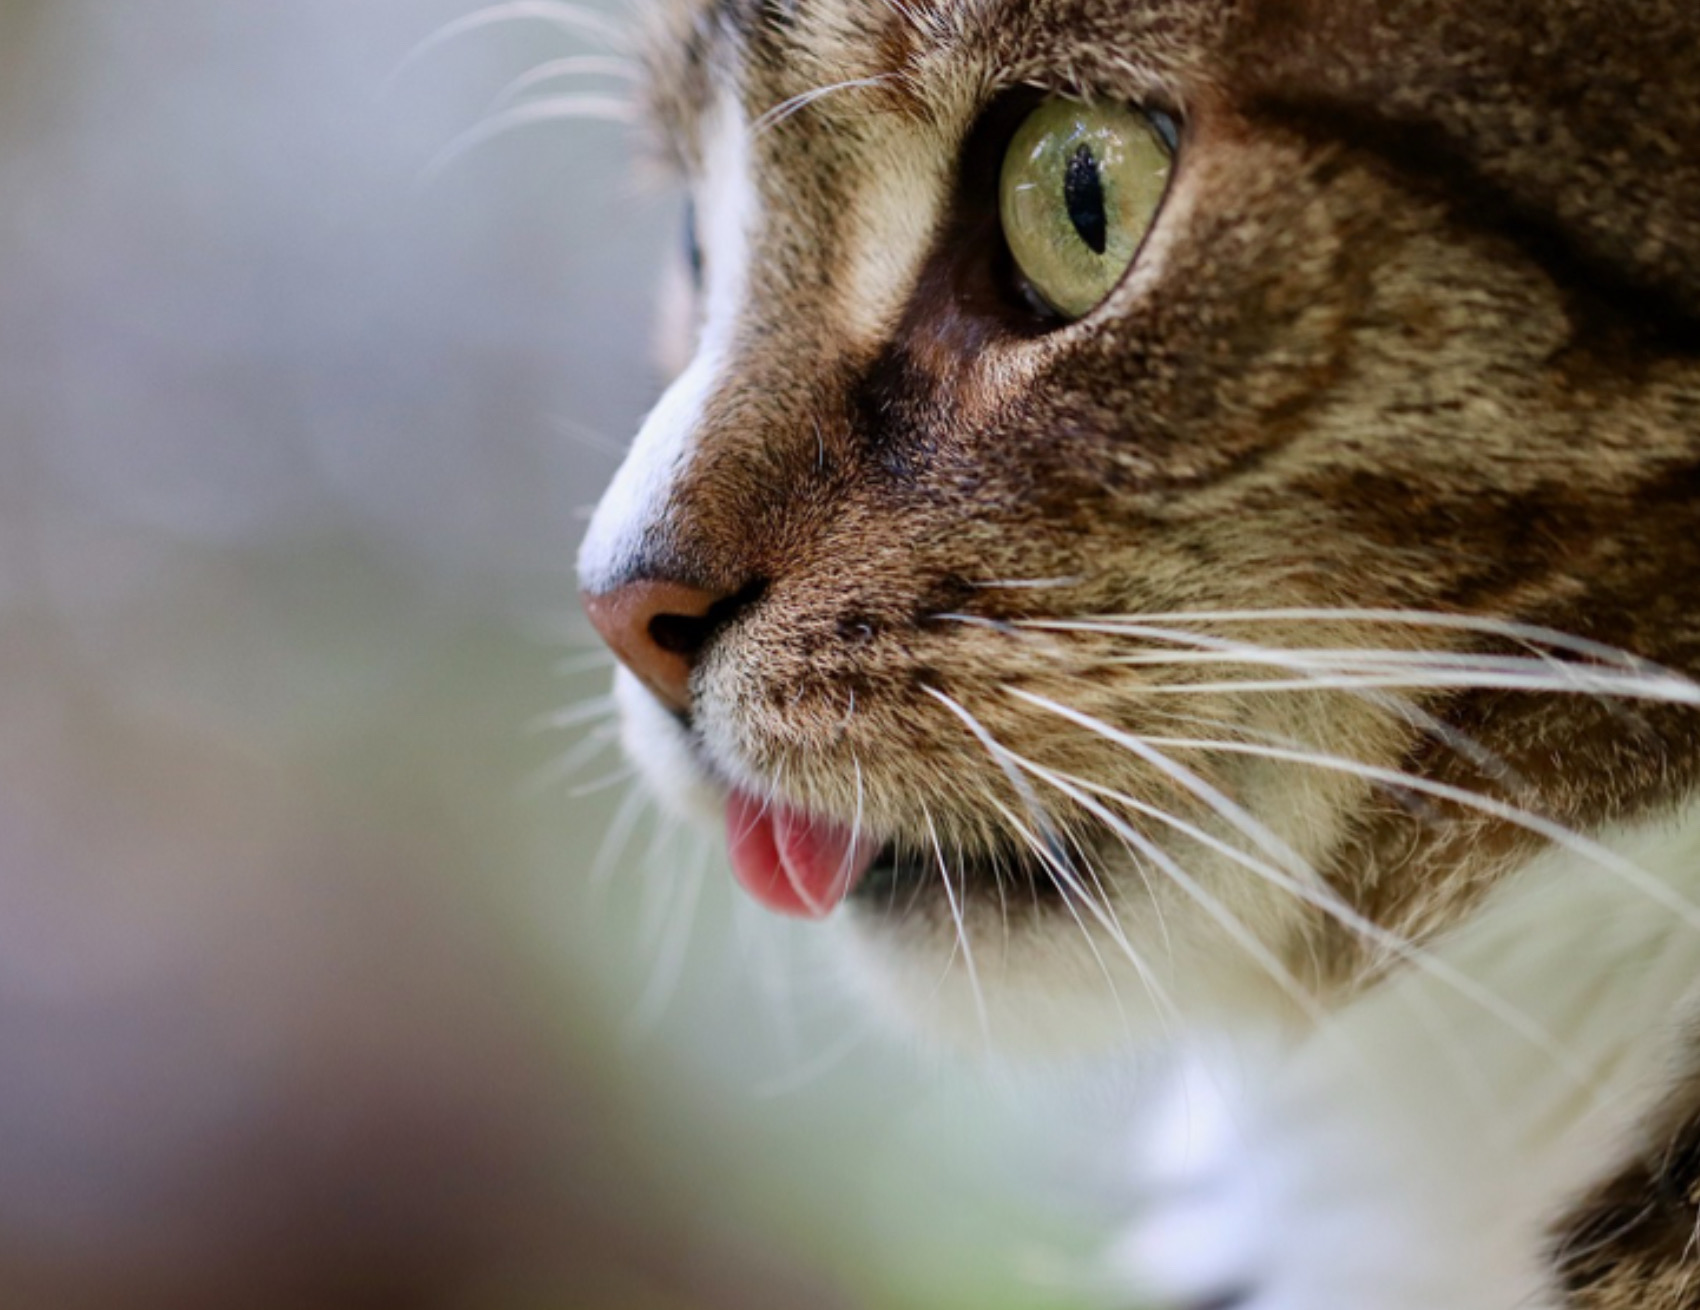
(1083, 193)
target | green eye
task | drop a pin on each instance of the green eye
(1081, 187)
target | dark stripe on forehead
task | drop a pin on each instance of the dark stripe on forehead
(824, 40)
(1607, 292)
(756, 20)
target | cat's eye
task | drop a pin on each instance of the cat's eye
(1080, 188)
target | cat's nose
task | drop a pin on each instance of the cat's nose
(658, 630)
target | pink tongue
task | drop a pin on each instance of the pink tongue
(791, 863)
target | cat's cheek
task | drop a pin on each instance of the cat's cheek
(661, 751)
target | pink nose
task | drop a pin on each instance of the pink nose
(658, 629)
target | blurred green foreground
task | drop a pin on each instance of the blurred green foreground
(314, 989)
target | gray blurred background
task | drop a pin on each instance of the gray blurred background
(323, 981)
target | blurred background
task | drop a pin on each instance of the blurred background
(331, 973)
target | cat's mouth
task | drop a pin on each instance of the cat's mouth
(792, 862)
(806, 866)
(901, 875)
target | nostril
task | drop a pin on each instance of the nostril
(688, 634)
(681, 634)
(660, 629)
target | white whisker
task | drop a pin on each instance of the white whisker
(1026, 584)
(1627, 678)
(594, 108)
(591, 661)
(589, 710)
(603, 783)
(1098, 881)
(845, 865)
(961, 932)
(1302, 880)
(1226, 919)
(669, 967)
(1068, 884)
(1593, 685)
(657, 893)
(555, 69)
(1150, 748)
(556, 13)
(1371, 690)
(618, 836)
(1222, 651)
(1552, 831)
(1523, 633)
(1258, 831)
(759, 951)
(785, 108)
(1044, 843)
(811, 1071)
(1029, 797)
(1336, 907)
(557, 773)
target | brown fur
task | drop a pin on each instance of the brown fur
(1631, 1245)
(1425, 335)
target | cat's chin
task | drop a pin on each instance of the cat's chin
(661, 751)
(1002, 956)
(1050, 986)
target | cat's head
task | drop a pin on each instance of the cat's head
(1134, 463)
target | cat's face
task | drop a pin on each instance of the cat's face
(1116, 643)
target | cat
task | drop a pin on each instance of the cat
(1180, 529)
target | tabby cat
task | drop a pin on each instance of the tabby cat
(1181, 528)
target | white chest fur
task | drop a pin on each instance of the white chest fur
(1418, 1153)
